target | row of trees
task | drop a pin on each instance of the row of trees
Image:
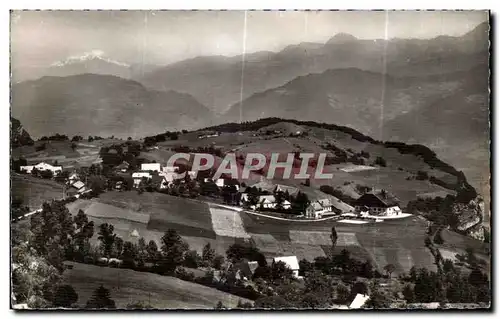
(449, 285)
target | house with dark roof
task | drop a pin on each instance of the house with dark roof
(378, 204)
(123, 167)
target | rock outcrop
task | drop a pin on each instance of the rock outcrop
(470, 216)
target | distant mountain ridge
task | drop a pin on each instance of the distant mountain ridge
(102, 105)
(95, 62)
(216, 80)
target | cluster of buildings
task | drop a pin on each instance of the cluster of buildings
(368, 205)
(41, 167)
(164, 176)
(74, 183)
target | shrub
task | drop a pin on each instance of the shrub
(380, 161)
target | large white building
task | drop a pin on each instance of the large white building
(155, 167)
(41, 167)
(378, 204)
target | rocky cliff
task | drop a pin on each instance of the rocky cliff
(470, 216)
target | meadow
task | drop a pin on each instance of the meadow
(128, 286)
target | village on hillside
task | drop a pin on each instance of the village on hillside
(250, 160)
(265, 196)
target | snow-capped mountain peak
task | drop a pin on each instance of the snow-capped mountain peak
(87, 56)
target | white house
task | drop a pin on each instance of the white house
(123, 167)
(169, 169)
(42, 167)
(359, 301)
(155, 167)
(79, 186)
(221, 182)
(27, 169)
(73, 178)
(291, 261)
(381, 204)
(269, 201)
(138, 176)
(319, 208)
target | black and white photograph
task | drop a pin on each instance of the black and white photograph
(245, 160)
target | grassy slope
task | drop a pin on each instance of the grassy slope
(84, 154)
(127, 286)
(34, 191)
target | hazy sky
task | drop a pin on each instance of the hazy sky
(161, 37)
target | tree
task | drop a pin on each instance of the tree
(280, 272)
(129, 254)
(359, 288)
(107, 237)
(142, 253)
(244, 305)
(300, 203)
(409, 294)
(152, 250)
(220, 306)
(477, 278)
(342, 293)
(192, 259)
(389, 269)
(173, 249)
(263, 272)
(237, 251)
(218, 262)
(117, 247)
(272, 302)
(380, 161)
(438, 239)
(378, 300)
(208, 254)
(139, 304)
(279, 200)
(367, 269)
(101, 299)
(333, 237)
(343, 260)
(470, 256)
(64, 296)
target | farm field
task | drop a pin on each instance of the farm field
(85, 153)
(34, 191)
(399, 242)
(128, 286)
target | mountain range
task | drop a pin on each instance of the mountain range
(102, 105)
(215, 81)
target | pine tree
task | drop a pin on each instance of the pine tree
(107, 237)
(208, 254)
(101, 299)
(64, 296)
